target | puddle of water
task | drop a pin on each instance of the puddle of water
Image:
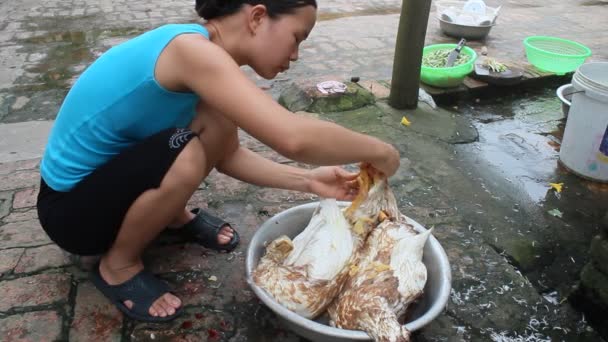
(517, 140)
(66, 52)
(55, 60)
(524, 158)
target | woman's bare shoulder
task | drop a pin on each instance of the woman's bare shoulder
(195, 48)
(191, 58)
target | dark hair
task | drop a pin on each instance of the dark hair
(209, 9)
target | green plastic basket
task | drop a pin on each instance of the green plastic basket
(556, 55)
(447, 77)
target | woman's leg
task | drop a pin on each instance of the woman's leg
(151, 212)
(219, 137)
(157, 208)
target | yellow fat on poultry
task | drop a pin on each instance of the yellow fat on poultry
(306, 274)
(387, 273)
(371, 206)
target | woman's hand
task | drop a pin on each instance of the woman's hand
(333, 182)
(388, 162)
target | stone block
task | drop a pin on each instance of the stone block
(30, 215)
(22, 234)
(223, 185)
(41, 289)
(40, 326)
(19, 180)
(30, 164)
(9, 259)
(38, 258)
(178, 258)
(283, 196)
(95, 318)
(379, 90)
(25, 198)
(5, 203)
(198, 324)
(304, 96)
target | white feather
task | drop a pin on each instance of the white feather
(325, 245)
(406, 261)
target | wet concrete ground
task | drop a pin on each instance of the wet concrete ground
(478, 171)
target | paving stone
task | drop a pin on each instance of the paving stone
(379, 90)
(40, 326)
(223, 185)
(195, 258)
(250, 142)
(267, 211)
(215, 288)
(197, 289)
(196, 324)
(19, 180)
(25, 198)
(178, 258)
(270, 154)
(38, 258)
(7, 168)
(244, 218)
(95, 317)
(22, 234)
(9, 259)
(87, 263)
(36, 290)
(5, 203)
(257, 320)
(199, 199)
(19, 216)
(283, 196)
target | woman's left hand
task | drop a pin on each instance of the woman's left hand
(333, 182)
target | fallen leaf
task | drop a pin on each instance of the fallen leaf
(405, 121)
(556, 213)
(557, 186)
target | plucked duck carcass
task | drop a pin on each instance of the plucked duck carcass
(386, 275)
(306, 274)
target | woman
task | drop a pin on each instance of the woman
(146, 122)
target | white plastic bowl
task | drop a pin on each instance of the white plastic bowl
(291, 222)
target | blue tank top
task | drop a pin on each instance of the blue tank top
(115, 103)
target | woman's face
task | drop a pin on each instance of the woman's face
(276, 41)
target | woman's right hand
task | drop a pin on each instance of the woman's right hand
(388, 161)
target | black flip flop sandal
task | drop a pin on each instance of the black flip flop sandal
(204, 229)
(143, 290)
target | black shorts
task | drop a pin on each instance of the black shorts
(86, 219)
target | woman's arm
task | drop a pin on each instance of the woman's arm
(250, 167)
(210, 72)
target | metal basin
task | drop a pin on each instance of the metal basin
(464, 31)
(291, 222)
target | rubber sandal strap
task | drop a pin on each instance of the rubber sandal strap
(204, 228)
(143, 289)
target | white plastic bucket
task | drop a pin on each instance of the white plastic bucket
(584, 147)
(564, 93)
